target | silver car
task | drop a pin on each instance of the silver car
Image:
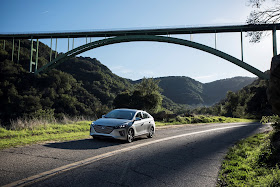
(123, 124)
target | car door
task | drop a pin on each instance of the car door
(139, 124)
(147, 122)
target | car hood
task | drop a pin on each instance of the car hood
(111, 121)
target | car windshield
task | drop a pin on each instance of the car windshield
(120, 114)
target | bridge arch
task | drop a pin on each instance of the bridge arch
(133, 38)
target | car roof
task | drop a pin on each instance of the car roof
(132, 110)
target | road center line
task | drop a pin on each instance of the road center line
(47, 174)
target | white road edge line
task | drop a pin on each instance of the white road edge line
(47, 174)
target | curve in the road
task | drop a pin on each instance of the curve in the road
(61, 169)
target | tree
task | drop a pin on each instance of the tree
(148, 86)
(231, 103)
(146, 96)
(265, 16)
(261, 15)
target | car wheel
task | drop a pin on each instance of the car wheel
(130, 135)
(151, 132)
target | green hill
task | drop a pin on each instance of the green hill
(182, 90)
(78, 87)
(84, 86)
(217, 90)
(185, 90)
(249, 102)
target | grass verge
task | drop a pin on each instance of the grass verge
(78, 130)
(252, 162)
(42, 133)
(201, 119)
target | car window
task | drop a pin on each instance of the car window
(145, 115)
(139, 115)
(120, 114)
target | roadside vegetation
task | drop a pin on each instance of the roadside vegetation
(254, 161)
(25, 132)
(200, 119)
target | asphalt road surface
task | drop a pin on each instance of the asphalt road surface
(187, 155)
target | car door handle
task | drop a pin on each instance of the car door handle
(142, 124)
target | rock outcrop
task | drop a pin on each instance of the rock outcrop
(273, 91)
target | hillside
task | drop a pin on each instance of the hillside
(185, 90)
(97, 79)
(84, 86)
(217, 90)
(182, 90)
(78, 87)
(249, 102)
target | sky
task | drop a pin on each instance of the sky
(135, 60)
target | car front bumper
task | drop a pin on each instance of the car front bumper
(110, 132)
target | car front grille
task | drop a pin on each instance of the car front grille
(103, 129)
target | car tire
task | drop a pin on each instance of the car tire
(151, 132)
(95, 137)
(130, 135)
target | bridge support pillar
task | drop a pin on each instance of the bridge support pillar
(55, 47)
(274, 41)
(51, 50)
(73, 44)
(18, 51)
(31, 57)
(241, 36)
(13, 49)
(68, 44)
(215, 40)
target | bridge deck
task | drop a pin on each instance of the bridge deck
(155, 31)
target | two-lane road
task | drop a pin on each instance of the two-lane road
(187, 155)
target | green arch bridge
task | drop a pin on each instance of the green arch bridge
(121, 39)
(155, 35)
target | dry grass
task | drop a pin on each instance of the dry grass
(70, 120)
(25, 123)
(32, 123)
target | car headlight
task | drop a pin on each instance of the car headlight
(92, 123)
(121, 126)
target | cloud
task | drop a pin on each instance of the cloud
(206, 78)
(132, 74)
(45, 12)
(121, 69)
